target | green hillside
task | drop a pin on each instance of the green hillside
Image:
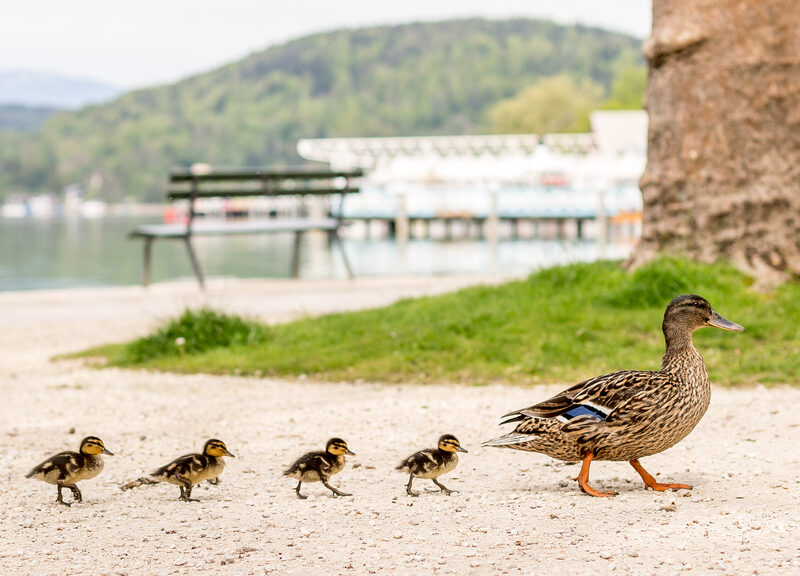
(18, 118)
(421, 78)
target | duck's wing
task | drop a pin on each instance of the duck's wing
(187, 466)
(311, 461)
(598, 397)
(421, 462)
(62, 466)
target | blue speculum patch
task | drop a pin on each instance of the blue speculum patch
(581, 410)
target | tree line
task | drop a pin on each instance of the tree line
(452, 77)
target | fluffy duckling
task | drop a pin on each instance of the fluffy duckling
(66, 468)
(192, 469)
(432, 463)
(320, 466)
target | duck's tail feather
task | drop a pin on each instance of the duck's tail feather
(511, 439)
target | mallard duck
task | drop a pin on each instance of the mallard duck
(432, 463)
(630, 414)
(320, 466)
(192, 469)
(66, 468)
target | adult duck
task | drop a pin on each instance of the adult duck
(630, 414)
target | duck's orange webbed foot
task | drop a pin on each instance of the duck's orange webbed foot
(650, 482)
(583, 479)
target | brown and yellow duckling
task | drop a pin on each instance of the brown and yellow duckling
(432, 463)
(320, 466)
(65, 469)
(630, 414)
(192, 469)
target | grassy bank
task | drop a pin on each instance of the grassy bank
(563, 325)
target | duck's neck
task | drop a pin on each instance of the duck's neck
(446, 454)
(681, 357)
(93, 461)
(335, 457)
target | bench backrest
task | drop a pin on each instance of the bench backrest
(192, 184)
(260, 182)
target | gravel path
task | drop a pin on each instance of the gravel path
(516, 513)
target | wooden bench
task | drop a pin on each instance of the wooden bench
(203, 182)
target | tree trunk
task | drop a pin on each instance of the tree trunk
(723, 98)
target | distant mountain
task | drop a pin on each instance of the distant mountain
(14, 117)
(419, 78)
(41, 89)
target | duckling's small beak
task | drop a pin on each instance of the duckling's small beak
(718, 321)
(105, 451)
(349, 452)
(229, 454)
(460, 449)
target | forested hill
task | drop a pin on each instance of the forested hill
(420, 78)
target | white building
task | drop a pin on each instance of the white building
(526, 176)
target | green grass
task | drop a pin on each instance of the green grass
(562, 324)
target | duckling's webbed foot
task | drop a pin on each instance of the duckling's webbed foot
(443, 487)
(650, 482)
(297, 491)
(334, 490)
(409, 491)
(76, 493)
(60, 499)
(186, 493)
(583, 479)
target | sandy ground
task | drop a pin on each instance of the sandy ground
(516, 513)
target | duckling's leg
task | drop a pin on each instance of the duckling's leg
(334, 490)
(409, 491)
(650, 482)
(186, 492)
(442, 486)
(297, 491)
(583, 478)
(76, 493)
(60, 499)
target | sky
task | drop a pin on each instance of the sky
(139, 43)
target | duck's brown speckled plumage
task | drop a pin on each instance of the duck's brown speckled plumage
(319, 466)
(432, 463)
(629, 414)
(192, 469)
(65, 469)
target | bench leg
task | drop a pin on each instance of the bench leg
(298, 237)
(148, 252)
(195, 263)
(338, 241)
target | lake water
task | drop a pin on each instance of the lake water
(73, 252)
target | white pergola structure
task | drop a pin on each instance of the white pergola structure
(615, 150)
(504, 174)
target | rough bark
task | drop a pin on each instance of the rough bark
(723, 98)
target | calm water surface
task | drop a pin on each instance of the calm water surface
(73, 252)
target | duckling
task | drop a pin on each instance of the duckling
(192, 469)
(66, 468)
(630, 414)
(320, 466)
(432, 463)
